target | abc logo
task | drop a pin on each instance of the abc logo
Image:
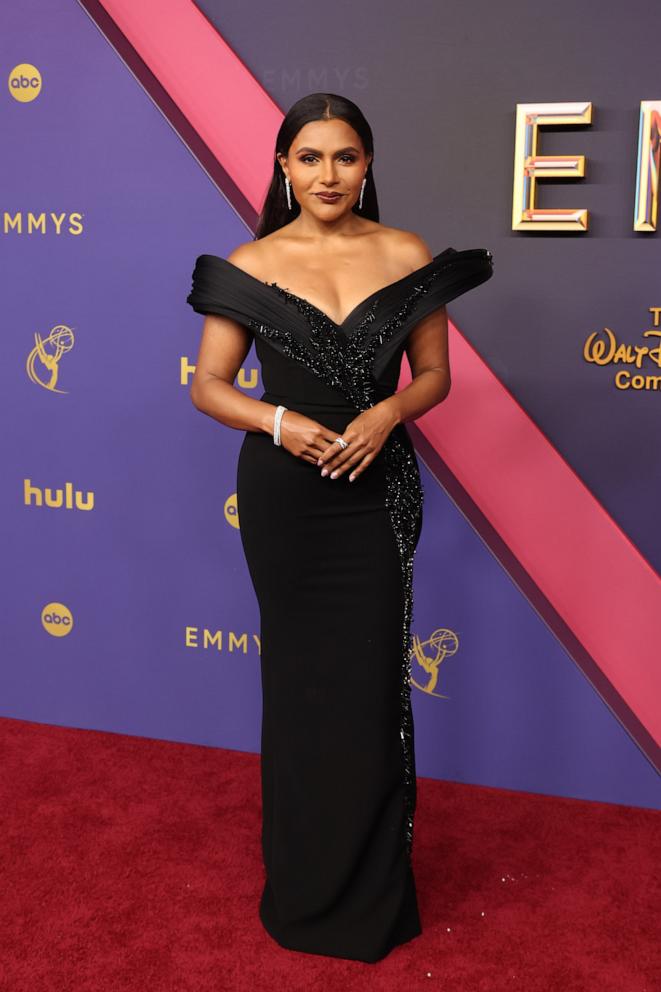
(56, 619)
(24, 82)
(232, 511)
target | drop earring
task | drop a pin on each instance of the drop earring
(288, 189)
(362, 190)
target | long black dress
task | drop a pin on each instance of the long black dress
(331, 562)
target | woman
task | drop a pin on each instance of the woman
(330, 509)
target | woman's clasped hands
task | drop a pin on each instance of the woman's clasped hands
(365, 436)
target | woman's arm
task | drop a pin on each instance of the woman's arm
(223, 348)
(427, 352)
(426, 349)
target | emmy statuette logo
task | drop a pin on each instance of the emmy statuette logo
(43, 362)
(427, 658)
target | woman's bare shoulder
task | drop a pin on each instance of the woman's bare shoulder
(258, 257)
(249, 257)
(405, 251)
(409, 248)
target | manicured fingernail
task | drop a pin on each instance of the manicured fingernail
(333, 475)
(351, 478)
(324, 471)
(318, 461)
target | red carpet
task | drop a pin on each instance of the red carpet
(134, 864)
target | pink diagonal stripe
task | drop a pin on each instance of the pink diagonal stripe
(232, 113)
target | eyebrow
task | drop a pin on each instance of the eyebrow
(315, 151)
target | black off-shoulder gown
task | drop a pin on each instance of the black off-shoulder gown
(331, 562)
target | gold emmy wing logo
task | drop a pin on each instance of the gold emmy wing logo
(43, 362)
(24, 82)
(56, 619)
(427, 657)
(232, 511)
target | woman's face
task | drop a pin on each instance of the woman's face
(326, 156)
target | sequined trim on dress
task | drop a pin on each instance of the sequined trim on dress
(345, 364)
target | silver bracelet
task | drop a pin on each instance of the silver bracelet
(276, 423)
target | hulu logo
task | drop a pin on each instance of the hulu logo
(69, 498)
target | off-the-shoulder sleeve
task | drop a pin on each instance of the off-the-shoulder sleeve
(217, 290)
(448, 276)
(455, 273)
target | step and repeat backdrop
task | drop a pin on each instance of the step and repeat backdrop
(138, 136)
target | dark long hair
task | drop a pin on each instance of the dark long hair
(314, 107)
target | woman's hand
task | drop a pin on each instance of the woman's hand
(366, 435)
(304, 437)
